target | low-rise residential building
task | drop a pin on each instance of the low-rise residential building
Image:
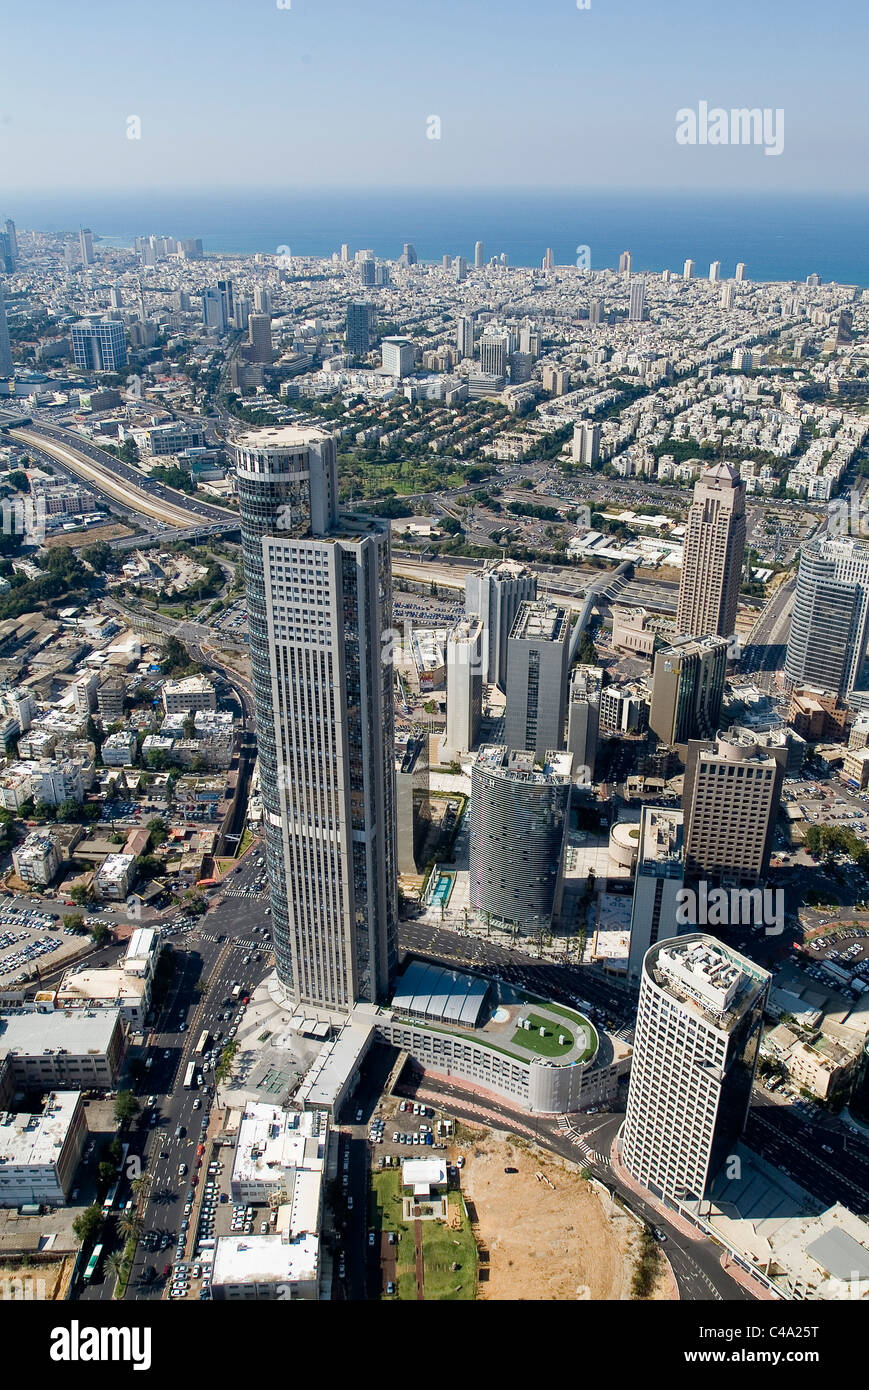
(190, 694)
(115, 877)
(119, 750)
(49, 1048)
(37, 859)
(39, 1153)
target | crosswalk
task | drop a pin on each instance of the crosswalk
(565, 1128)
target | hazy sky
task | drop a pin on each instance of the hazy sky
(333, 93)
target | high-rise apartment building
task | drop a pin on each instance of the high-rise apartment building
(368, 273)
(625, 263)
(227, 294)
(713, 553)
(360, 328)
(595, 312)
(213, 311)
(319, 599)
(730, 797)
(740, 272)
(409, 255)
(464, 661)
(479, 261)
(696, 1043)
(538, 653)
(583, 717)
(637, 306)
(6, 365)
(688, 688)
(688, 270)
(494, 594)
(830, 619)
(398, 356)
(714, 272)
(262, 300)
(86, 246)
(727, 292)
(465, 335)
(519, 819)
(585, 448)
(99, 347)
(658, 879)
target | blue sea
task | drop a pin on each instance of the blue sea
(778, 237)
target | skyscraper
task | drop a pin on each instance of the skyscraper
(478, 255)
(494, 349)
(730, 797)
(714, 272)
(625, 263)
(585, 447)
(495, 593)
(688, 270)
(638, 301)
(86, 246)
(319, 599)
(213, 311)
(345, 252)
(830, 619)
(99, 347)
(6, 365)
(696, 1042)
(713, 553)
(262, 300)
(658, 878)
(583, 718)
(688, 688)
(409, 255)
(740, 272)
(519, 819)
(368, 273)
(538, 650)
(464, 653)
(727, 295)
(460, 268)
(259, 327)
(360, 323)
(465, 335)
(226, 293)
(548, 259)
(594, 311)
(13, 239)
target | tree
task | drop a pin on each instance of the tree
(100, 934)
(100, 557)
(115, 1264)
(73, 921)
(80, 894)
(87, 1224)
(70, 810)
(158, 830)
(106, 1171)
(130, 1225)
(126, 1107)
(43, 810)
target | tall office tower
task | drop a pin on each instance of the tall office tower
(688, 270)
(658, 878)
(495, 593)
(548, 259)
(259, 328)
(740, 272)
(7, 261)
(730, 797)
(464, 653)
(830, 619)
(381, 273)
(538, 657)
(359, 328)
(595, 311)
(625, 263)
(519, 819)
(583, 718)
(445, 262)
(7, 369)
(638, 301)
(688, 688)
(412, 800)
(345, 252)
(479, 262)
(529, 340)
(460, 267)
(714, 272)
(713, 552)
(262, 300)
(493, 354)
(116, 298)
(99, 347)
(86, 246)
(319, 600)
(696, 1042)
(191, 248)
(398, 356)
(213, 315)
(522, 369)
(465, 335)
(226, 293)
(409, 255)
(585, 447)
(727, 295)
(13, 239)
(241, 314)
(368, 273)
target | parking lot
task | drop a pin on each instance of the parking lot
(27, 938)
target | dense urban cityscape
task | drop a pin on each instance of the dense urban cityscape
(435, 715)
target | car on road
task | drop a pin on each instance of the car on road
(659, 1235)
(371, 1237)
(182, 1170)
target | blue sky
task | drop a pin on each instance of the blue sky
(336, 93)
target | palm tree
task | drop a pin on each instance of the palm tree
(115, 1264)
(130, 1226)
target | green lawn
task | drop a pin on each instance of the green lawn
(442, 1247)
(385, 1215)
(547, 1044)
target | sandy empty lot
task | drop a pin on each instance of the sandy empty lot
(567, 1241)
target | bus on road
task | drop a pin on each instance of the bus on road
(92, 1263)
(189, 1077)
(236, 991)
(111, 1197)
(202, 1044)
